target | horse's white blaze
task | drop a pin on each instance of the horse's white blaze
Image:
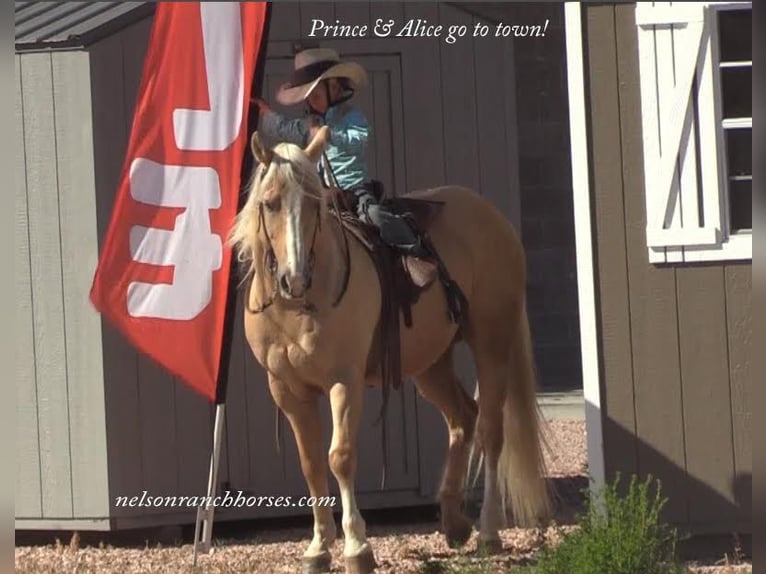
(294, 235)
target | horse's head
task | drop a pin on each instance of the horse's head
(283, 214)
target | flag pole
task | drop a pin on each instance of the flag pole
(206, 511)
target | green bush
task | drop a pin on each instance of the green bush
(616, 535)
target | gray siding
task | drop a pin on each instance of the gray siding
(676, 339)
(62, 446)
(739, 332)
(27, 497)
(120, 363)
(82, 326)
(47, 296)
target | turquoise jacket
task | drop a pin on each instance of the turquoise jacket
(347, 148)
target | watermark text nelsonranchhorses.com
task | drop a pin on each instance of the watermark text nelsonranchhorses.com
(228, 500)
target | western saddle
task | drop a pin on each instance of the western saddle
(402, 277)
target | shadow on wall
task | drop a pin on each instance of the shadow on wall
(716, 523)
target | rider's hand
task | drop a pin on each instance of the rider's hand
(314, 129)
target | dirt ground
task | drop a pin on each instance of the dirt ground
(409, 549)
(404, 542)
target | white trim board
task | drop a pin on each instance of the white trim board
(82, 524)
(586, 288)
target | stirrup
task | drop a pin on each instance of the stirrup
(456, 301)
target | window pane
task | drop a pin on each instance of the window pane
(737, 92)
(736, 32)
(739, 151)
(741, 204)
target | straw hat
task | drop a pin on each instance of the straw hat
(314, 65)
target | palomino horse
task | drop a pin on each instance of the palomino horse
(314, 342)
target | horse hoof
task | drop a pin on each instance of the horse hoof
(318, 564)
(489, 547)
(363, 563)
(458, 535)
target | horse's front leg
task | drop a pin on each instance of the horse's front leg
(303, 414)
(346, 402)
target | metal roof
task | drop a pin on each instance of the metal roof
(62, 25)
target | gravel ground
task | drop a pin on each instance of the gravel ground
(401, 548)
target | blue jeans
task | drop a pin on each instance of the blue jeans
(394, 229)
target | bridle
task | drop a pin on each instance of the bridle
(270, 263)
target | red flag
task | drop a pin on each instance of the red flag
(163, 273)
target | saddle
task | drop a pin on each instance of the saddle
(411, 275)
(420, 213)
(402, 277)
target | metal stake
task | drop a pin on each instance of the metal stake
(206, 510)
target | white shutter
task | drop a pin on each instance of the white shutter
(681, 155)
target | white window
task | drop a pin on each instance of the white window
(696, 104)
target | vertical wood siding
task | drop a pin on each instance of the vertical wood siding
(613, 285)
(28, 497)
(739, 331)
(110, 129)
(47, 289)
(676, 338)
(61, 425)
(79, 253)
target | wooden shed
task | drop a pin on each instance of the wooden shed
(95, 420)
(661, 123)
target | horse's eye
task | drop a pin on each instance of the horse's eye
(274, 204)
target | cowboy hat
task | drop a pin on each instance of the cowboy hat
(311, 67)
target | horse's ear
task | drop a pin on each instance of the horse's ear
(316, 146)
(262, 153)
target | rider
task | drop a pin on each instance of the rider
(326, 85)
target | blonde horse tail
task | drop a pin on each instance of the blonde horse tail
(521, 467)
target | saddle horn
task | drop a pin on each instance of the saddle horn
(262, 153)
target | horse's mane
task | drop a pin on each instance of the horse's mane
(290, 167)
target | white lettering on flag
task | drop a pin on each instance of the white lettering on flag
(216, 128)
(190, 247)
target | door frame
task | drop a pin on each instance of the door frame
(586, 283)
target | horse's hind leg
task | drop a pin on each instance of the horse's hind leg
(303, 415)
(508, 428)
(439, 385)
(492, 373)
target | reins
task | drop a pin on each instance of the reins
(270, 264)
(384, 382)
(346, 249)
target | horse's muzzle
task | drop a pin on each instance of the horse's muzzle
(293, 286)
